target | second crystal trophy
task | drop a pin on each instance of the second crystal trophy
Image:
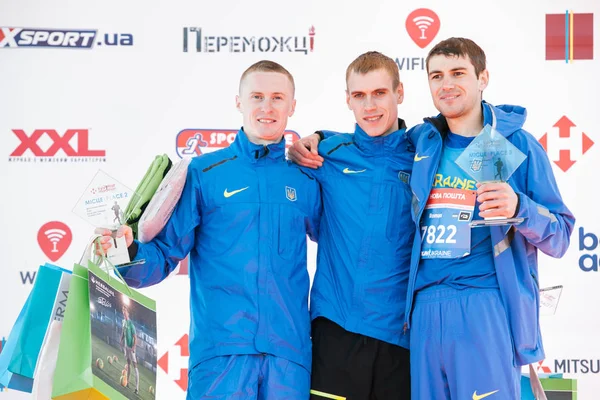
(103, 204)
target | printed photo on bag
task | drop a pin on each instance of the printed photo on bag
(123, 341)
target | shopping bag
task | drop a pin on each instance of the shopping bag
(44, 304)
(44, 372)
(145, 190)
(547, 386)
(106, 350)
(7, 378)
(48, 301)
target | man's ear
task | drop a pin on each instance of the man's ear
(348, 100)
(400, 93)
(484, 78)
(238, 103)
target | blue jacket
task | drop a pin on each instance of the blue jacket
(363, 254)
(547, 224)
(243, 216)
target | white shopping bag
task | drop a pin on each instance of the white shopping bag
(44, 372)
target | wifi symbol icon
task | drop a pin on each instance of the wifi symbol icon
(54, 236)
(54, 239)
(422, 25)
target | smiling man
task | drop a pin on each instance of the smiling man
(474, 305)
(243, 217)
(359, 291)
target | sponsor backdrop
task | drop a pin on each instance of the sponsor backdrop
(108, 85)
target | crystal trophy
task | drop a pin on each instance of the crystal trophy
(103, 204)
(491, 158)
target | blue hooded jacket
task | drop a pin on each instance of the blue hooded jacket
(364, 254)
(547, 224)
(243, 216)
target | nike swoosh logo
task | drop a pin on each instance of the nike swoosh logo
(417, 158)
(326, 395)
(350, 171)
(229, 194)
(481, 396)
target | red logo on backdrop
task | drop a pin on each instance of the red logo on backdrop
(184, 351)
(570, 36)
(59, 142)
(422, 25)
(543, 368)
(54, 239)
(564, 126)
(194, 142)
(44, 146)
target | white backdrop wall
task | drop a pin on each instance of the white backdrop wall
(131, 100)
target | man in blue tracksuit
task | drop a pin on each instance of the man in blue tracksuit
(359, 291)
(473, 295)
(243, 216)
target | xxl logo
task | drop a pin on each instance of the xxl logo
(570, 36)
(422, 25)
(195, 39)
(54, 239)
(11, 37)
(567, 148)
(179, 356)
(46, 143)
(194, 142)
(588, 242)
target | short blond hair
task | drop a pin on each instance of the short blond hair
(268, 66)
(371, 61)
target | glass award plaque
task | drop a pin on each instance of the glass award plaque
(103, 204)
(491, 158)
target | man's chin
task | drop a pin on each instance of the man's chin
(270, 136)
(450, 112)
(375, 132)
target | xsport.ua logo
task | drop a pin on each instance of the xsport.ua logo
(194, 142)
(13, 37)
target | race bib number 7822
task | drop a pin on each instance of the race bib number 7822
(445, 229)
